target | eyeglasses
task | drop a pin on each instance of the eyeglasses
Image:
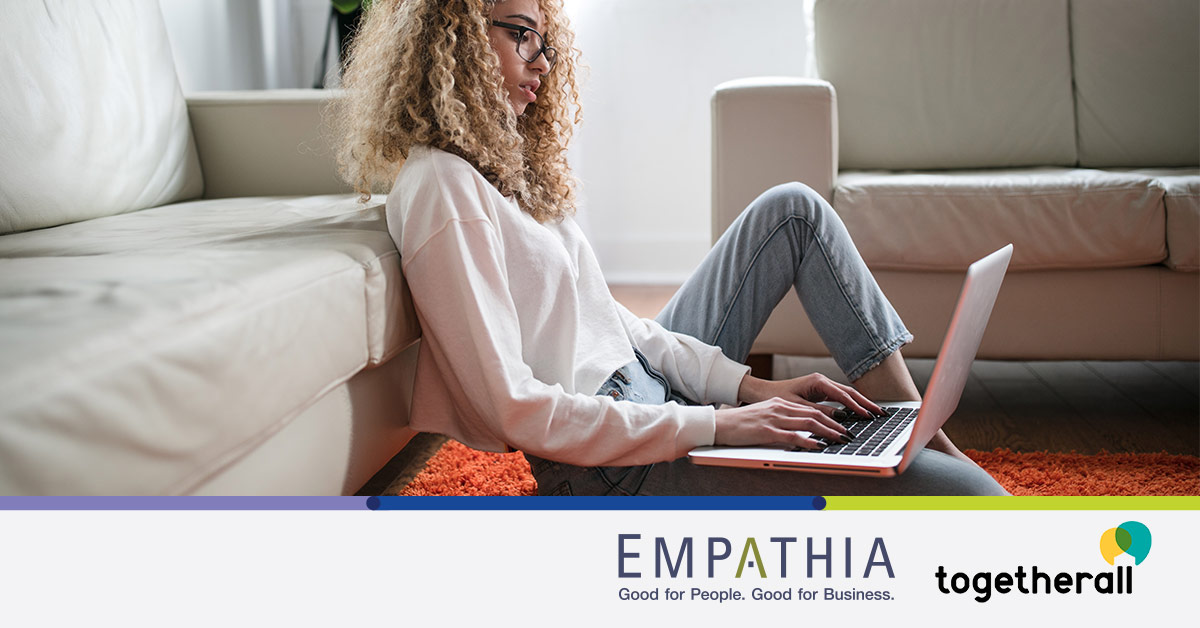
(530, 43)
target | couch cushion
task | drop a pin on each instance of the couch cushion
(92, 119)
(1181, 188)
(1182, 201)
(1137, 81)
(927, 84)
(148, 350)
(1056, 218)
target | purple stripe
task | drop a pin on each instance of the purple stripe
(183, 503)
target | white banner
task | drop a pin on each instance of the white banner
(579, 568)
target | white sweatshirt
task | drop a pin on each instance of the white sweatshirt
(519, 330)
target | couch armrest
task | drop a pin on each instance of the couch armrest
(264, 143)
(767, 131)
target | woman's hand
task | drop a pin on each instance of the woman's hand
(809, 391)
(777, 422)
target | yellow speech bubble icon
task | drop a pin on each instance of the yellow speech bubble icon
(1109, 548)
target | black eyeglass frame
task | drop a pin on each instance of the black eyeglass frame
(551, 57)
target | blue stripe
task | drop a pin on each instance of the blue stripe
(596, 503)
(411, 503)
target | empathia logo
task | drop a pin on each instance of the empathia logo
(1131, 537)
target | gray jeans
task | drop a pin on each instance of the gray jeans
(787, 238)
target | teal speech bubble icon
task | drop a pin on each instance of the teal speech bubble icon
(1131, 537)
(1139, 540)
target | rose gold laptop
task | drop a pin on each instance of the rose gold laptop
(886, 446)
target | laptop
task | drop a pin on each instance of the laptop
(886, 446)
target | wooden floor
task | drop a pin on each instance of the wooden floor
(1039, 406)
(1062, 406)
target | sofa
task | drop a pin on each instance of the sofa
(191, 302)
(940, 130)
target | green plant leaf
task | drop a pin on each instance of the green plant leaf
(346, 6)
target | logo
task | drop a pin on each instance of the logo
(1131, 537)
(775, 557)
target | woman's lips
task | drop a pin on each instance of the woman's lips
(528, 89)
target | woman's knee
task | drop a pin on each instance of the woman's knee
(937, 473)
(790, 200)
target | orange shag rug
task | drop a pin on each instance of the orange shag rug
(459, 470)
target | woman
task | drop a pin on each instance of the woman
(465, 107)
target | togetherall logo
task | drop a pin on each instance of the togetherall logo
(1132, 538)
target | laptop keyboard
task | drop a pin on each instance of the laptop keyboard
(872, 436)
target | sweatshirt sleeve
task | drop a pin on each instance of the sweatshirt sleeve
(699, 371)
(461, 291)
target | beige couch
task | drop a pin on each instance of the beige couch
(190, 301)
(943, 129)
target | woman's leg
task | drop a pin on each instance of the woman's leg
(789, 237)
(889, 381)
(931, 473)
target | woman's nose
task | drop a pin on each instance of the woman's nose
(540, 64)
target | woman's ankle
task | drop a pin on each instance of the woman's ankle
(888, 381)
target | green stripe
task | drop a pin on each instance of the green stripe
(1012, 503)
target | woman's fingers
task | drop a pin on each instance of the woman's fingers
(853, 400)
(778, 421)
(833, 413)
(861, 399)
(817, 387)
(821, 416)
(814, 428)
(794, 417)
(828, 411)
(796, 439)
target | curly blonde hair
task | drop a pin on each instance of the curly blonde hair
(424, 72)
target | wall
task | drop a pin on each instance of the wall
(643, 152)
(246, 44)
